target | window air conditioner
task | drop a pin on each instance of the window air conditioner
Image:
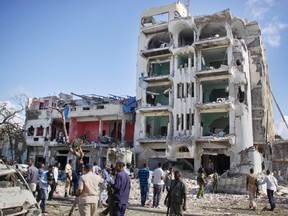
(219, 100)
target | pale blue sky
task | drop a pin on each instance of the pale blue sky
(90, 47)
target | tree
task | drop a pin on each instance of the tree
(11, 125)
(74, 146)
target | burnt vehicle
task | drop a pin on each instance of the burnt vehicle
(16, 198)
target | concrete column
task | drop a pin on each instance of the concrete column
(100, 127)
(50, 131)
(123, 129)
(169, 129)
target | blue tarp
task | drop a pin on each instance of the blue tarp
(129, 105)
(66, 111)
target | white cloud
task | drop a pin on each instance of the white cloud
(259, 12)
(258, 8)
(272, 32)
(281, 129)
(259, 2)
(21, 90)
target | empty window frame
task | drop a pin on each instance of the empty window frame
(186, 37)
(189, 120)
(214, 58)
(213, 30)
(158, 68)
(215, 90)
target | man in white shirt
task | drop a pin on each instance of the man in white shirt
(158, 184)
(272, 185)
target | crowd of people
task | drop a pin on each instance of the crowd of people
(88, 183)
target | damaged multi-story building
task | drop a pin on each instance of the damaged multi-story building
(100, 122)
(203, 89)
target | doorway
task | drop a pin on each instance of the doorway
(221, 162)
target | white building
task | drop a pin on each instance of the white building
(195, 79)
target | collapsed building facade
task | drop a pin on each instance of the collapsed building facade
(102, 123)
(202, 89)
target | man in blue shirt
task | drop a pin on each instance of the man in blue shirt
(121, 190)
(143, 175)
(43, 187)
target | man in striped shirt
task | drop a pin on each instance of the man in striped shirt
(143, 175)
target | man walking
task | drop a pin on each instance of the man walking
(176, 197)
(56, 174)
(87, 191)
(68, 179)
(43, 190)
(143, 175)
(168, 179)
(272, 185)
(103, 186)
(51, 181)
(158, 183)
(33, 176)
(251, 186)
(201, 182)
(121, 190)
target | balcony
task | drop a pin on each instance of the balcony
(151, 139)
(162, 50)
(220, 104)
(212, 42)
(35, 141)
(211, 71)
(161, 109)
(216, 142)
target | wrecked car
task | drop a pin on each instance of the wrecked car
(16, 197)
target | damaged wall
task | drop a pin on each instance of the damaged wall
(280, 158)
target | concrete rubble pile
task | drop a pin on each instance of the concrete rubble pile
(211, 204)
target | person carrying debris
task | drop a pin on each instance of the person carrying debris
(201, 182)
(272, 185)
(251, 186)
(176, 196)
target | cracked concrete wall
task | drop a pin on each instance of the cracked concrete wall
(260, 84)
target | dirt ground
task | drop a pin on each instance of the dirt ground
(211, 204)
